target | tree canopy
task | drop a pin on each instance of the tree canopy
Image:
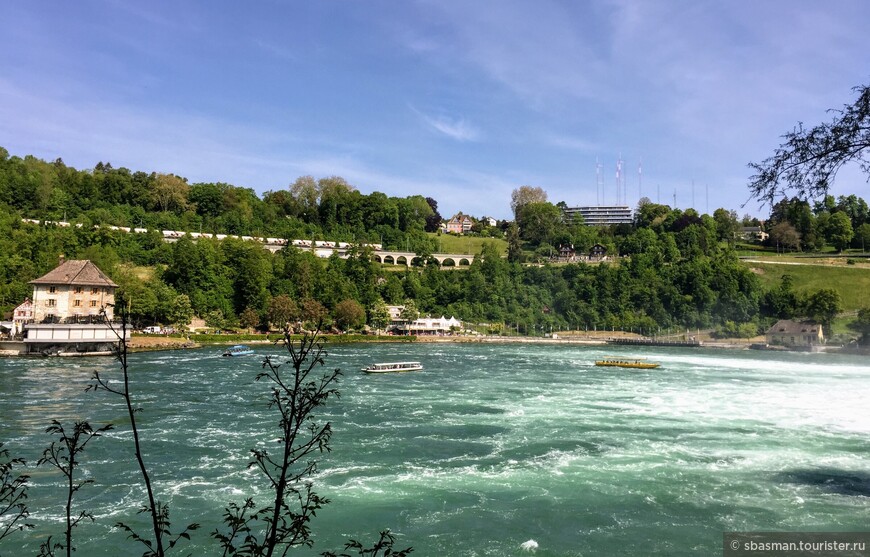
(807, 163)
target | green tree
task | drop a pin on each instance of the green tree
(249, 318)
(409, 311)
(726, 224)
(782, 301)
(515, 248)
(862, 236)
(855, 207)
(840, 231)
(181, 313)
(823, 305)
(304, 194)
(215, 319)
(282, 310)
(539, 222)
(798, 213)
(349, 314)
(379, 315)
(313, 312)
(862, 325)
(810, 158)
(170, 192)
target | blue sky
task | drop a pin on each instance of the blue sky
(461, 101)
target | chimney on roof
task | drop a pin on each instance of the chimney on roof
(61, 258)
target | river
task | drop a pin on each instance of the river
(488, 447)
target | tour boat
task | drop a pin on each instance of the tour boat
(636, 363)
(392, 367)
(238, 350)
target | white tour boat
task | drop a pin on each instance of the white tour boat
(392, 367)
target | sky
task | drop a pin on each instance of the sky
(455, 100)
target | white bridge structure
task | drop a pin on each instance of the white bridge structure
(320, 248)
(324, 249)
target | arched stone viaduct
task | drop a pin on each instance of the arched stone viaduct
(407, 258)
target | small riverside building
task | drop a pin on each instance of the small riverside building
(430, 326)
(795, 334)
(21, 316)
(421, 325)
(67, 310)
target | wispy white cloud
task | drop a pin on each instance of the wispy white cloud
(454, 128)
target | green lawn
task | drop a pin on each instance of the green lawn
(448, 243)
(851, 281)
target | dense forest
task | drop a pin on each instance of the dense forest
(675, 268)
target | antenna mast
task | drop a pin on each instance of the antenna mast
(620, 179)
(598, 183)
(640, 179)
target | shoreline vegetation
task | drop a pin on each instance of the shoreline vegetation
(148, 343)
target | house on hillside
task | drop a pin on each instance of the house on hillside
(752, 234)
(72, 307)
(597, 253)
(795, 334)
(459, 224)
(567, 253)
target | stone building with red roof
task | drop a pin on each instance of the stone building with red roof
(73, 290)
(72, 311)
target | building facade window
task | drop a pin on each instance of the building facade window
(78, 290)
(52, 289)
(77, 303)
(93, 303)
(94, 290)
(52, 303)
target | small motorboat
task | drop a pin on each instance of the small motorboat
(238, 350)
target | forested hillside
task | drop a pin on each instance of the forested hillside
(673, 268)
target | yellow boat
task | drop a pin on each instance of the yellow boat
(635, 363)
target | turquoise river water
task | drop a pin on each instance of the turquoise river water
(488, 447)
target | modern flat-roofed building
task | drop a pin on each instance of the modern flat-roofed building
(601, 215)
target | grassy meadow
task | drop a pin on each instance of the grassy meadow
(851, 281)
(449, 243)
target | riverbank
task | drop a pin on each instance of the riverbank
(148, 343)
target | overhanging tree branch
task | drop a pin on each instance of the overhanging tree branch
(807, 163)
